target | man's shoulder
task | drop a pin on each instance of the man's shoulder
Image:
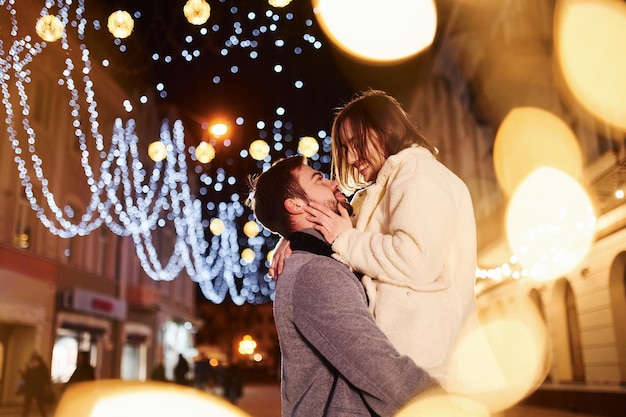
(307, 276)
(305, 265)
(311, 260)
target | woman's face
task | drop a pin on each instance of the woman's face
(369, 164)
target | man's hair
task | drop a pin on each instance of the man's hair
(270, 189)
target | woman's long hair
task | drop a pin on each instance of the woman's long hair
(373, 118)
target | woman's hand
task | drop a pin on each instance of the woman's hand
(327, 222)
(281, 252)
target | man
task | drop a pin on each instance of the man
(335, 360)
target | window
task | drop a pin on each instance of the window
(23, 224)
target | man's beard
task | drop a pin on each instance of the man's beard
(334, 206)
(347, 206)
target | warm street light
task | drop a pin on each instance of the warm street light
(218, 130)
(247, 345)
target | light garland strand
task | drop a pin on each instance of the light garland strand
(128, 200)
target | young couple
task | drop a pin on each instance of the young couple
(365, 344)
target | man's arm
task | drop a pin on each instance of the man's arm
(331, 312)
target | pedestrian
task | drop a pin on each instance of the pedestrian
(335, 359)
(158, 372)
(181, 370)
(233, 385)
(84, 371)
(201, 371)
(412, 234)
(37, 385)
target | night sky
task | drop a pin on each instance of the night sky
(269, 73)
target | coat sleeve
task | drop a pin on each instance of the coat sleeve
(421, 218)
(330, 311)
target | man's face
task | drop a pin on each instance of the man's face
(320, 189)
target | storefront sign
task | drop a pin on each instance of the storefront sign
(100, 304)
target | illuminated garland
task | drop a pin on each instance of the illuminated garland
(124, 196)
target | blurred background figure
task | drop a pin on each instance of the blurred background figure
(37, 385)
(232, 383)
(201, 371)
(181, 370)
(158, 372)
(84, 371)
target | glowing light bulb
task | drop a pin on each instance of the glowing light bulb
(308, 146)
(251, 229)
(259, 149)
(120, 24)
(49, 28)
(248, 255)
(197, 12)
(279, 3)
(216, 227)
(219, 129)
(205, 152)
(157, 151)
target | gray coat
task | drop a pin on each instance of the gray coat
(335, 359)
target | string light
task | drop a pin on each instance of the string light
(197, 12)
(120, 24)
(126, 196)
(49, 28)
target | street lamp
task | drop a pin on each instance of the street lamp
(205, 151)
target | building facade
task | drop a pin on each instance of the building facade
(490, 58)
(85, 290)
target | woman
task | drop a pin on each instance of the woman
(414, 235)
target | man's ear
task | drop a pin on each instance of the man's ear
(294, 205)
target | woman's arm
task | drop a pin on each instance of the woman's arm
(418, 218)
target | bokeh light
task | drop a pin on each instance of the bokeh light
(251, 228)
(49, 28)
(443, 405)
(529, 138)
(205, 152)
(248, 255)
(505, 359)
(197, 12)
(120, 24)
(157, 151)
(308, 146)
(259, 149)
(216, 226)
(550, 223)
(218, 130)
(590, 46)
(378, 30)
(106, 398)
(279, 3)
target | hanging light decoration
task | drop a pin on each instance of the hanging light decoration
(157, 151)
(279, 3)
(49, 28)
(259, 149)
(120, 24)
(251, 229)
(127, 197)
(197, 12)
(205, 152)
(216, 226)
(248, 255)
(308, 146)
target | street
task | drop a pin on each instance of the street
(263, 400)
